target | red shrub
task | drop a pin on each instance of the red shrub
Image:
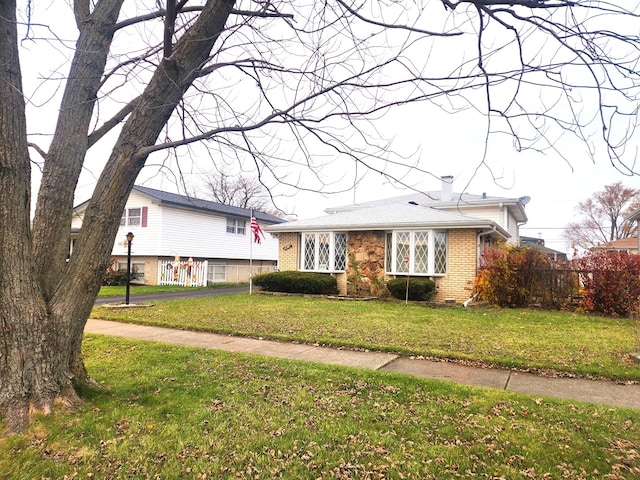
(510, 275)
(610, 281)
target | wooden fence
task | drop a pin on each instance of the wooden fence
(554, 287)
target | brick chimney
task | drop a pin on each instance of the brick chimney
(446, 193)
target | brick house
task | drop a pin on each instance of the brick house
(440, 235)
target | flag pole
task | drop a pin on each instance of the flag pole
(250, 253)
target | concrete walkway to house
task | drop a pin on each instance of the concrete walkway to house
(578, 389)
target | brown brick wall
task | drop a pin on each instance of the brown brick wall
(341, 278)
(150, 267)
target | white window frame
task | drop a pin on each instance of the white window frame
(130, 220)
(139, 264)
(236, 226)
(218, 272)
(393, 250)
(331, 266)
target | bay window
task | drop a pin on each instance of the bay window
(421, 252)
(324, 251)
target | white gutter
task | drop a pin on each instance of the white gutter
(415, 225)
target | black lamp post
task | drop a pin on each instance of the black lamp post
(129, 240)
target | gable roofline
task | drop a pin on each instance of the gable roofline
(186, 202)
(392, 216)
(538, 244)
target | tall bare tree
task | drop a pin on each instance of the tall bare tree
(237, 190)
(602, 217)
(284, 85)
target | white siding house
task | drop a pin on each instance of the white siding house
(171, 230)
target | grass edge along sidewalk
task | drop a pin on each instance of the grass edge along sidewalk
(170, 411)
(528, 340)
(605, 392)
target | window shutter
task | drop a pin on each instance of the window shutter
(144, 216)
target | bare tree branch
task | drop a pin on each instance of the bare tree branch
(169, 27)
(110, 124)
(603, 217)
(41, 152)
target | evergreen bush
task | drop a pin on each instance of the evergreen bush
(297, 282)
(420, 289)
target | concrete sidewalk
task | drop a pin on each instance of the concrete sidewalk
(578, 389)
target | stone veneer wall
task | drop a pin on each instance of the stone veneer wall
(366, 253)
(461, 267)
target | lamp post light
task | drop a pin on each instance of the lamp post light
(129, 240)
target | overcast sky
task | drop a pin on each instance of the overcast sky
(440, 143)
(554, 187)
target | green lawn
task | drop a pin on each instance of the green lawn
(169, 412)
(525, 339)
(140, 289)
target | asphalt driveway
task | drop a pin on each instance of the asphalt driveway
(150, 297)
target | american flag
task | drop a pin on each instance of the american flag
(257, 231)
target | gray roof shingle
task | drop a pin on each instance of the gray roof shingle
(387, 216)
(191, 203)
(432, 199)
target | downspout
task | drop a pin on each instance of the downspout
(518, 225)
(478, 244)
(478, 254)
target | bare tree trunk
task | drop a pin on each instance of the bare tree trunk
(43, 304)
(32, 356)
(69, 145)
(79, 288)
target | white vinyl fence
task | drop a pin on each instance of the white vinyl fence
(201, 273)
(191, 273)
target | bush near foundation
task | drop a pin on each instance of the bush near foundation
(115, 277)
(512, 276)
(297, 282)
(610, 282)
(420, 289)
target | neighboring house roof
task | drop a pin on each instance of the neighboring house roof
(161, 197)
(385, 216)
(538, 244)
(630, 243)
(452, 202)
